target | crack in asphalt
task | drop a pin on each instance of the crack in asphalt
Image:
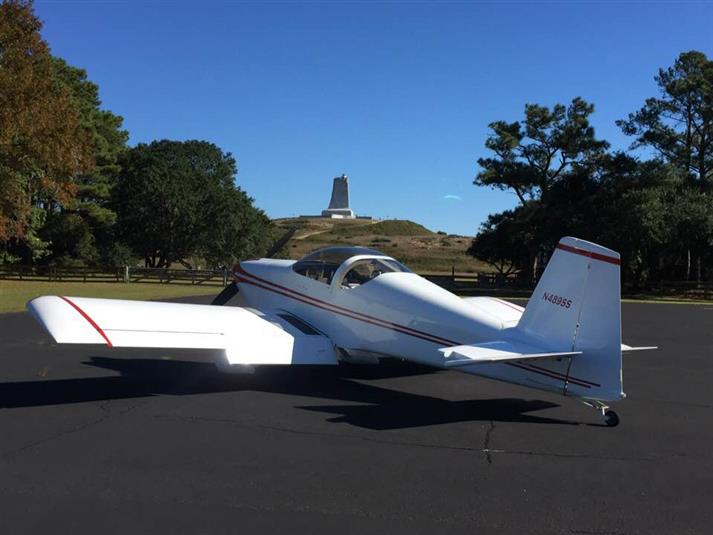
(77, 429)
(486, 450)
(486, 442)
(244, 425)
(598, 532)
(295, 507)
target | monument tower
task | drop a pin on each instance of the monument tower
(339, 203)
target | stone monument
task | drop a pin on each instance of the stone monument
(339, 203)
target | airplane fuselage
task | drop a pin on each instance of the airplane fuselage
(378, 318)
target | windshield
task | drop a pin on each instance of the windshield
(321, 264)
(368, 269)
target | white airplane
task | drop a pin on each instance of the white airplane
(359, 305)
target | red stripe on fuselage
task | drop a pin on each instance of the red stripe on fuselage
(86, 317)
(242, 276)
(349, 314)
(337, 308)
(551, 374)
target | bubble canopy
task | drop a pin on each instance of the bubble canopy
(323, 263)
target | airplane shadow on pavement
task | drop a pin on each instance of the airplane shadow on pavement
(373, 407)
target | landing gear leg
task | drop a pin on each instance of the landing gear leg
(611, 418)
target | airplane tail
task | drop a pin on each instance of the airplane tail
(576, 308)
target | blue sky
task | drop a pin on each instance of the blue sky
(398, 95)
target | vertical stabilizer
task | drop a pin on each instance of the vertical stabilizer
(577, 307)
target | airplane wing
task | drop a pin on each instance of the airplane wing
(499, 351)
(507, 313)
(247, 336)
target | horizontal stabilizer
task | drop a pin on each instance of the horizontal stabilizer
(625, 348)
(499, 351)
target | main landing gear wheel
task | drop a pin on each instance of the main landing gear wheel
(611, 418)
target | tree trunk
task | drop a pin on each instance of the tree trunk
(185, 264)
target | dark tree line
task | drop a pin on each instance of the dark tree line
(73, 193)
(177, 200)
(656, 209)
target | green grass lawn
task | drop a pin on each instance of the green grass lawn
(14, 294)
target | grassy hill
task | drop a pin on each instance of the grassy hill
(392, 227)
(413, 244)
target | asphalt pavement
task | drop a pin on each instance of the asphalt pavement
(98, 440)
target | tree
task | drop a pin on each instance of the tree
(679, 124)
(688, 217)
(533, 154)
(243, 231)
(505, 241)
(178, 199)
(81, 231)
(532, 157)
(619, 202)
(42, 143)
(657, 213)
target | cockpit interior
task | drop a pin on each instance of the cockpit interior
(364, 265)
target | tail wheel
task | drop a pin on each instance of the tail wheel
(611, 418)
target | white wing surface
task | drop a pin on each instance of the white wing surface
(507, 313)
(247, 336)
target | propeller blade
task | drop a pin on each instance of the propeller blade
(226, 295)
(232, 289)
(279, 244)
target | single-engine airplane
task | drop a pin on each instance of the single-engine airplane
(360, 305)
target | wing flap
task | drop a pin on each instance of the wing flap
(498, 351)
